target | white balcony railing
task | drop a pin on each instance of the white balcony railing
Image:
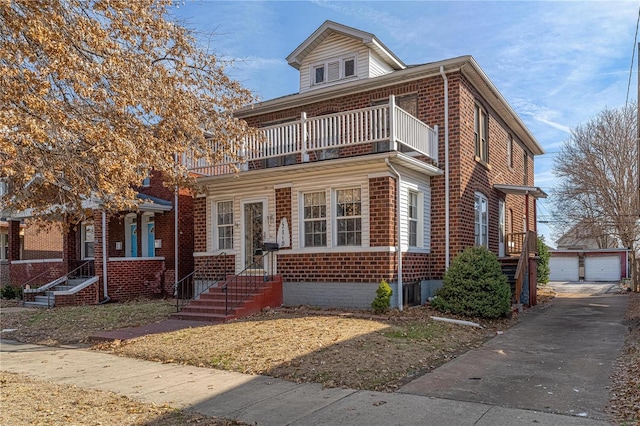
(316, 134)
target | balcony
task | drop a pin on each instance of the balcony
(384, 128)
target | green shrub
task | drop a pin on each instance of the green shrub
(382, 302)
(474, 285)
(10, 292)
(542, 270)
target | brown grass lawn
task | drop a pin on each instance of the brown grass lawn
(335, 348)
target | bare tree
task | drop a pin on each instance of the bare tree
(96, 93)
(599, 176)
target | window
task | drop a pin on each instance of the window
(88, 238)
(3, 188)
(348, 217)
(349, 67)
(510, 151)
(525, 167)
(413, 218)
(4, 246)
(146, 182)
(481, 220)
(315, 219)
(481, 126)
(224, 224)
(333, 70)
(319, 74)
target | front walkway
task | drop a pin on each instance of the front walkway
(259, 399)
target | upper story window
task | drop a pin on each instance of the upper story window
(224, 224)
(334, 69)
(525, 167)
(348, 217)
(510, 152)
(413, 218)
(481, 130)
(481, 220)
(315, 219)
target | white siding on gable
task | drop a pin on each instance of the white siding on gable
(334, 47)
(376, 66)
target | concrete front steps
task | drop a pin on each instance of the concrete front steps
(210, 306)
(47, 298)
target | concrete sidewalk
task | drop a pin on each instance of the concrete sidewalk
(259, 399)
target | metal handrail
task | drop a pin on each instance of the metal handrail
(244, 284)
(185, 289)
(86, 269)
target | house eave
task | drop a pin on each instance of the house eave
(394, 157)
(534, 191)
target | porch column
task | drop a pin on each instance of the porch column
(139, 234)
(98, 247)
(393, 145)
(14, 240)
(70, 248)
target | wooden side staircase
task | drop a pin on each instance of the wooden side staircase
(516, 264)
(218, 304)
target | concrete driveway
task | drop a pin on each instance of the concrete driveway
(558, 359)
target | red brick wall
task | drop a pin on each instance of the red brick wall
(382, 210)
(216, 265)
(283, 205)
(364, 267)
(133, 279)
(39, 273)
(200, 224)
(42, 242)
(87, 296)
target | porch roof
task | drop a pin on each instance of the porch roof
(534, 191)
(154, 204)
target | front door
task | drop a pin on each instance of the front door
(501, 228)
(253, 232)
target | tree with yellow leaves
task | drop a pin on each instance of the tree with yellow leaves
(96, 93)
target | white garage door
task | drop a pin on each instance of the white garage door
(563, 268)
(602, 268)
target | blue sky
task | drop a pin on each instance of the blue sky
(557, 63)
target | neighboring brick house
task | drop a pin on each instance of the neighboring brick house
(369, 156)
(137, 257)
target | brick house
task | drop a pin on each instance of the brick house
(135, 256)
(373, 170)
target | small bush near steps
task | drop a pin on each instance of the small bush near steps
(474, 285)
(382, 302)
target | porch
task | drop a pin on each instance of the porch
(344, 134)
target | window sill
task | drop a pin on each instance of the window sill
(482, 162)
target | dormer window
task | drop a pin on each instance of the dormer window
(319, 74)
(334, 69)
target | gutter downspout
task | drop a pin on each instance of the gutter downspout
(398, 183)
(104, 257)
(175, 233)
(447, 242)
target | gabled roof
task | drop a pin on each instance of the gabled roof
(296, 57)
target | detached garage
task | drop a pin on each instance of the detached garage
(563, 268)
(588, 265)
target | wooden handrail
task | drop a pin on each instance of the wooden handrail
(529, 245)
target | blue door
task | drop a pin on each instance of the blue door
(151, 239)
